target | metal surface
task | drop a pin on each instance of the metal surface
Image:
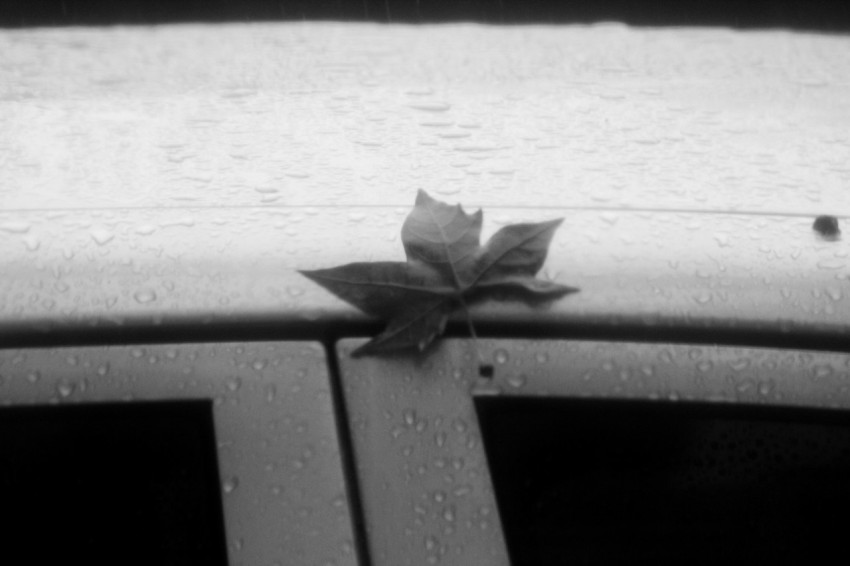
(427, 492)
(179, 175)
(282, 482)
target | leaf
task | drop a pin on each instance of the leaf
(446, 269)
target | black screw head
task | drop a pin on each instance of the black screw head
(486, 370)
(827, 227)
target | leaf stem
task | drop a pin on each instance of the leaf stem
(472, 333)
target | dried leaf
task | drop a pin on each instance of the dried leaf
(446, 268)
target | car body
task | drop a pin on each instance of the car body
(160, 188)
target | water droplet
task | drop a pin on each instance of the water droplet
(271, 392)
(831, 264)
(230, 484)
(518, 381)
(447, 190)
(31, 242)
(145, 229)
(260, 365)
(703, 298)
(449, 513)
(145, 296)
(462, 490)
(101, 236)
(33, 376)
(765, 388)
(485, 389)
(234, 383)
(15, 227)
(102, 369)
(409, 416)
(822, 371)
(501, 356)
(542, 357)
(431, 106)
(722, 240)
(64, 389)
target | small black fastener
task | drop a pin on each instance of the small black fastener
(827, 227)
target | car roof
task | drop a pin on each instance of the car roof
(169, 175)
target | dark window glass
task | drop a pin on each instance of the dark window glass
(614, 482)
(109, 484)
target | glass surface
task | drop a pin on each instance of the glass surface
(625, 482)
(104, 484)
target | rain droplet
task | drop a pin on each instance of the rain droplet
(462, 490)
(409, 416)
(32, 243)
(821, 371)
(145, 296)
(703, 298)
(230, 484)
(65, 389)
(33, 376)
(834, 293)
(501, 356)
(145, 229)
(518, 381)
(431, 106)
(234, 383)
(449, 513)
(15, 227)
(101, 236)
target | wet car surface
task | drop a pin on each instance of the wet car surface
(160, 187)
